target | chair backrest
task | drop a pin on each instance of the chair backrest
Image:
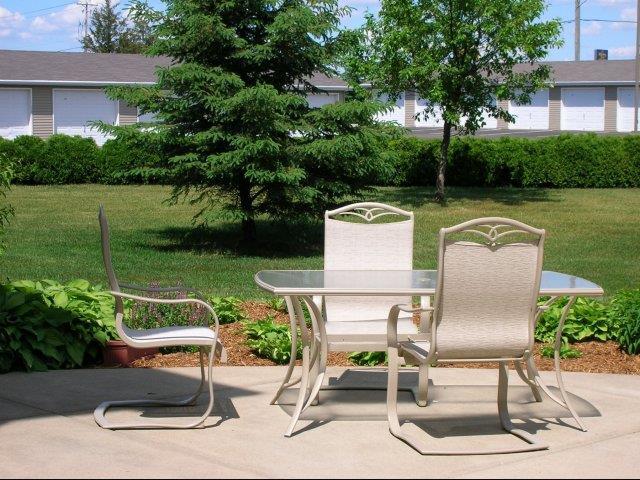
(365, 245)
(106, 250)
(489, 273)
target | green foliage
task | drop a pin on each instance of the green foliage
(271, 340)
(369, 359)
(587, 320)
(228, 309)
(234, 125)
(276, 303)
(48, 325)
(566, 351)
(457, 55)
(6, 210)
(565, 161)
(624, 313)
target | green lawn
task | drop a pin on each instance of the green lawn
(591, 233)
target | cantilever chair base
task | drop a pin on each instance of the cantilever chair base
(99, 413)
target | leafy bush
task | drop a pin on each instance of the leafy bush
(228, 309)
(581, 161)
(566, 351)
(624, 313)
(127, 162)
(271, 340)
(25, 152)
(48, 325)
(67, 160)
(6, 210)
(587, 320)
(276, 303)
(368, 359)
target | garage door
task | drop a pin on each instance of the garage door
(317, 100)
(396, 111)
(582, 109)
(433, 120)
(531, 116)
(73, 110)
(15, 112)
(624, 119)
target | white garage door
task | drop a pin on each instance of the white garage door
(534, 115)
(73, 110)
(395, 113)
(15, 112)
(582, 109)
(624, 119)
(433, 120)
(317, 100)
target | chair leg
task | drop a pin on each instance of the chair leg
(503, 385)
(287, 382)
(528, 379)
(100, 412)
(423, 385)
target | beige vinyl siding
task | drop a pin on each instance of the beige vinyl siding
(42, 109)
(409, 109)
(555, 95)
(504, 105)
(610, 109)
(127, 115)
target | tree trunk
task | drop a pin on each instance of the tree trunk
(249, 233)
(442, 164)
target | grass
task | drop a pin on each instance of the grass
(591, 233)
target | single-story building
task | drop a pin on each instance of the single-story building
(42, 93)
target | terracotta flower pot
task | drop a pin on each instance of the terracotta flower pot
(116, 353)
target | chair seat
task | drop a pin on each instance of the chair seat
(169, 336)
(419, 350)
(367, 331)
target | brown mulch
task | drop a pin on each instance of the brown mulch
(597, 357)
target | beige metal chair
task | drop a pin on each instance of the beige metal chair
(489, 272)
(359, 323)
(202, 336)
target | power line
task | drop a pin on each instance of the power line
(36, 11)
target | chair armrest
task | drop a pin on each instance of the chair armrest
(172, 301)
(392, 321)
(130, 286)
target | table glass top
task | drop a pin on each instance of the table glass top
(392, 282)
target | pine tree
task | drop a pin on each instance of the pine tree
(105, 29)
(235, 126)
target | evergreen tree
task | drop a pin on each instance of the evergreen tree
(140, 24)
(234, 123)
(105, 29)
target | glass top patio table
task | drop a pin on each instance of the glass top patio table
(395, 282)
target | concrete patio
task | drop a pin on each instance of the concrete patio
(47, 427)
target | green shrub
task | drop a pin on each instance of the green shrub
(271, 340)
(368, 359)
(6, 210)
(566, 351)
(568, 160)
(624, 313)
(126, 162)
(25, 152)
(276, 303)
(47, 325)
(587, 320)
(228, 309)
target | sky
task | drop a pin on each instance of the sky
(55, 25)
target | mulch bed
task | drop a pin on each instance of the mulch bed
(597, 357)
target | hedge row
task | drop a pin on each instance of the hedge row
(581, 161)
(565, 161)
(62, 159)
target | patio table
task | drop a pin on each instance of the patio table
(301, 286)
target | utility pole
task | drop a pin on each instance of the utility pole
(576, 23)
(86, 6)
(636, 91)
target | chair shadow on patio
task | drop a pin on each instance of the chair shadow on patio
(453, 410)
(77, 392)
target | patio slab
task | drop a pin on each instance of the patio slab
(47, 427)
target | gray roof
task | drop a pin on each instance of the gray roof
(590, 71)
(32, 67)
